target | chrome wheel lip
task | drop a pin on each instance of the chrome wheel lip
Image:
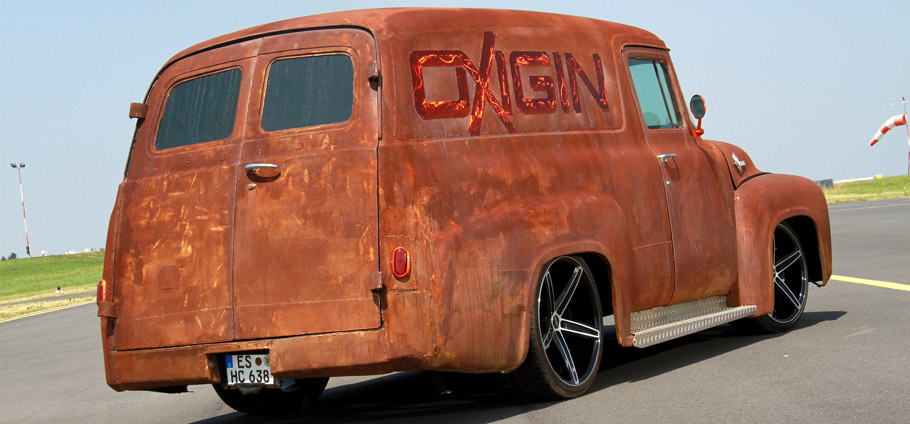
(784, 273)
(567, 340)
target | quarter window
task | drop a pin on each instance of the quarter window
(308, 91)
(655, 96)
(200, 110)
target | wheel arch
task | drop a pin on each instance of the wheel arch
(611, 271)
(762, 203)
(602, 273)
(807, 233)
(607, 252)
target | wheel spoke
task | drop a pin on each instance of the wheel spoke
(547, 299)
(579, 329)
(566, 296)
(787, 261)
(785, 290)
(548, 284)
(548, 337)
(566, 354)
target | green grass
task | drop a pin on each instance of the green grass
(882, 188)
(25, 278)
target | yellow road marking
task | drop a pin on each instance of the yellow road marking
(884, 284)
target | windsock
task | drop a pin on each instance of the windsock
(895, 120)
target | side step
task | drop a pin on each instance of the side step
(653, 326)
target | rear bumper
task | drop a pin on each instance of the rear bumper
(353, 353)
(404, 342)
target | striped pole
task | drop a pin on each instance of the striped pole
(22, 196)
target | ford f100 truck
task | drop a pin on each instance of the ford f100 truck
(434, 189)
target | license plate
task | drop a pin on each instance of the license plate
(248, 369)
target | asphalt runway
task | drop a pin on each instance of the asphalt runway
(848, 360)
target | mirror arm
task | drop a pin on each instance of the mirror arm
(697, 107)
(698, 131)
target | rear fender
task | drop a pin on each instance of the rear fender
(107, 311)
(498, 277)
(614, 249)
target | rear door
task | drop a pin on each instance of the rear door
(172, 278)
(306, 223)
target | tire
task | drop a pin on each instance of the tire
(791, 284)
(566, 340)
(299, 396)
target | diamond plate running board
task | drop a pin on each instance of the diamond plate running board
(653, 326)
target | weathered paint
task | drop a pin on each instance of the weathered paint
(484, 142)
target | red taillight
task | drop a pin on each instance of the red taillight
(102, 293)
(401, 263)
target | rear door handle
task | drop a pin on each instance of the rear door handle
(665, 157)
(253, 167)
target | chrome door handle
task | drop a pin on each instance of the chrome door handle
(253, 167)
(665, 157)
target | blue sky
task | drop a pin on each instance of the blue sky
(801, 86)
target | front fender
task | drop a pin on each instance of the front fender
(739, 163)
(760, 204)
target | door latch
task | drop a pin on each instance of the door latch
(665, 157)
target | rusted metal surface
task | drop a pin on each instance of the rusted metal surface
(760, 204)
(306, 242)
(485, 143)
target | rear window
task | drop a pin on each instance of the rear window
(658, 105)
(308, 91)
(200, 110)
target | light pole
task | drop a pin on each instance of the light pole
(22, 196)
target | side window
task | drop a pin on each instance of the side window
(200, 110)
(658, 105)
(308, 91)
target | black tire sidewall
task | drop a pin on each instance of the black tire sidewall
(549, 385)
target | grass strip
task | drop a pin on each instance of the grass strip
(879, 188)
(29, 278)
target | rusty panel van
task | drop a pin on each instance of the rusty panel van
(434, 189)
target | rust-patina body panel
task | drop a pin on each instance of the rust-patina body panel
(485, 143)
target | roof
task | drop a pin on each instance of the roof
(385, 23)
